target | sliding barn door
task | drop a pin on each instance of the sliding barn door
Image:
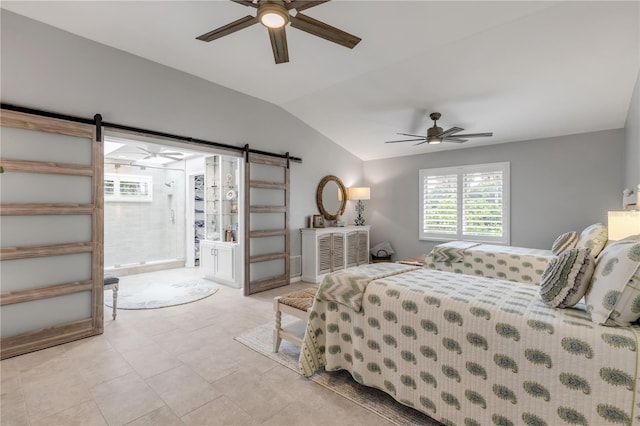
(266, 223)
(51, 242)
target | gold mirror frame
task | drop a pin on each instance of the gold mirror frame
(327, 215)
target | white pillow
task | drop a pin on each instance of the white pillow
(613, 287)
(594, 237)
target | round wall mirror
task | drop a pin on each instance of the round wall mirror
(331, 197)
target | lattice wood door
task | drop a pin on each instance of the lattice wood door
(51, 255)
(267, 251)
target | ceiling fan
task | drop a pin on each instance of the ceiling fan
(275, 15)
(436, 135)
(164, 154)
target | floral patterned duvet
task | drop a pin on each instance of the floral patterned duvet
(487, 260)
(469, 350)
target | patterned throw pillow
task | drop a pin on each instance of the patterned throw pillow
(567, 277)
(594, 237)
(564, 242)
(613, 298)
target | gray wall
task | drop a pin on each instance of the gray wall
(557, 185)
(46, 68)
(632, 136)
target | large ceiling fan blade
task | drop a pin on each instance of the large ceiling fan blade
(303, 4)
(246, 3)
(420, 143)
(278, 38)
(408, 140)
(237, 25)
(450, 131)
(476, 135)
(325, 31)
(409, 134)
(454, 140)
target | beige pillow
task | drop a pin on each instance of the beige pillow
(614, 295)
(594, 237)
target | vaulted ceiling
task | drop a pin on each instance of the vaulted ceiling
(523, 70)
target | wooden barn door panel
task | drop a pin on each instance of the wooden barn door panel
(266, 223)
(51, 232)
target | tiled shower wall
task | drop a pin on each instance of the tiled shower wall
(137, 233)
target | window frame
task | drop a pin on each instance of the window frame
(117, 196)
(460, 171)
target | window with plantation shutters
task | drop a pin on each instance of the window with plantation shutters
(465, 203)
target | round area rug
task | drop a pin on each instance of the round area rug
(160, 295)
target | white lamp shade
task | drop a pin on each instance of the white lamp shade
(623, 223)
(359, 193)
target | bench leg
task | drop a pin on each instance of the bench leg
(278, 325)
(115, 300)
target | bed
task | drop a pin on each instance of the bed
(469, 350)
(487, 260)
(510, 263)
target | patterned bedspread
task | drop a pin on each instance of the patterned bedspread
(519, 264)
(469, 350)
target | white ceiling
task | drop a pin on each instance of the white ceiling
(523, 70)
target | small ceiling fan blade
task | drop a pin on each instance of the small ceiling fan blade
(476, 135)
(170, 153)
(278, 38)
(325, 31)
(420, 143)
(408, 140)
(409, 134)
(454, 140)
(450, 131)
(234, 26)
(171, 157)
(300, 5)
(246, 3)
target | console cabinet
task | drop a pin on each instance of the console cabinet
(326, 250)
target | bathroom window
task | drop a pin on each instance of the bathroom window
(129, 188)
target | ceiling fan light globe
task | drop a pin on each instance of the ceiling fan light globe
(273, 15)
(272, 20)
(434, 141)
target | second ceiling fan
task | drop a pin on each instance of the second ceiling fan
(275, 15)
(436, 135)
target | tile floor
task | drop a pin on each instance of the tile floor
(170, 366)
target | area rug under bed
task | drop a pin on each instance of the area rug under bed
(159, 295)
(340, 382)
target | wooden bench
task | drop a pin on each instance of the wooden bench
(297, 304)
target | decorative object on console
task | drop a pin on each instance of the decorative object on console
(359, 194)
(623, 224)
(318, 221)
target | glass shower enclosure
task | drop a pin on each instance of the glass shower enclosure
(144, 217)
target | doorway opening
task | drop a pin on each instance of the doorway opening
(154, 205)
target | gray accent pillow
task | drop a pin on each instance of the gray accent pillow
(566, 278)
(564, 242)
